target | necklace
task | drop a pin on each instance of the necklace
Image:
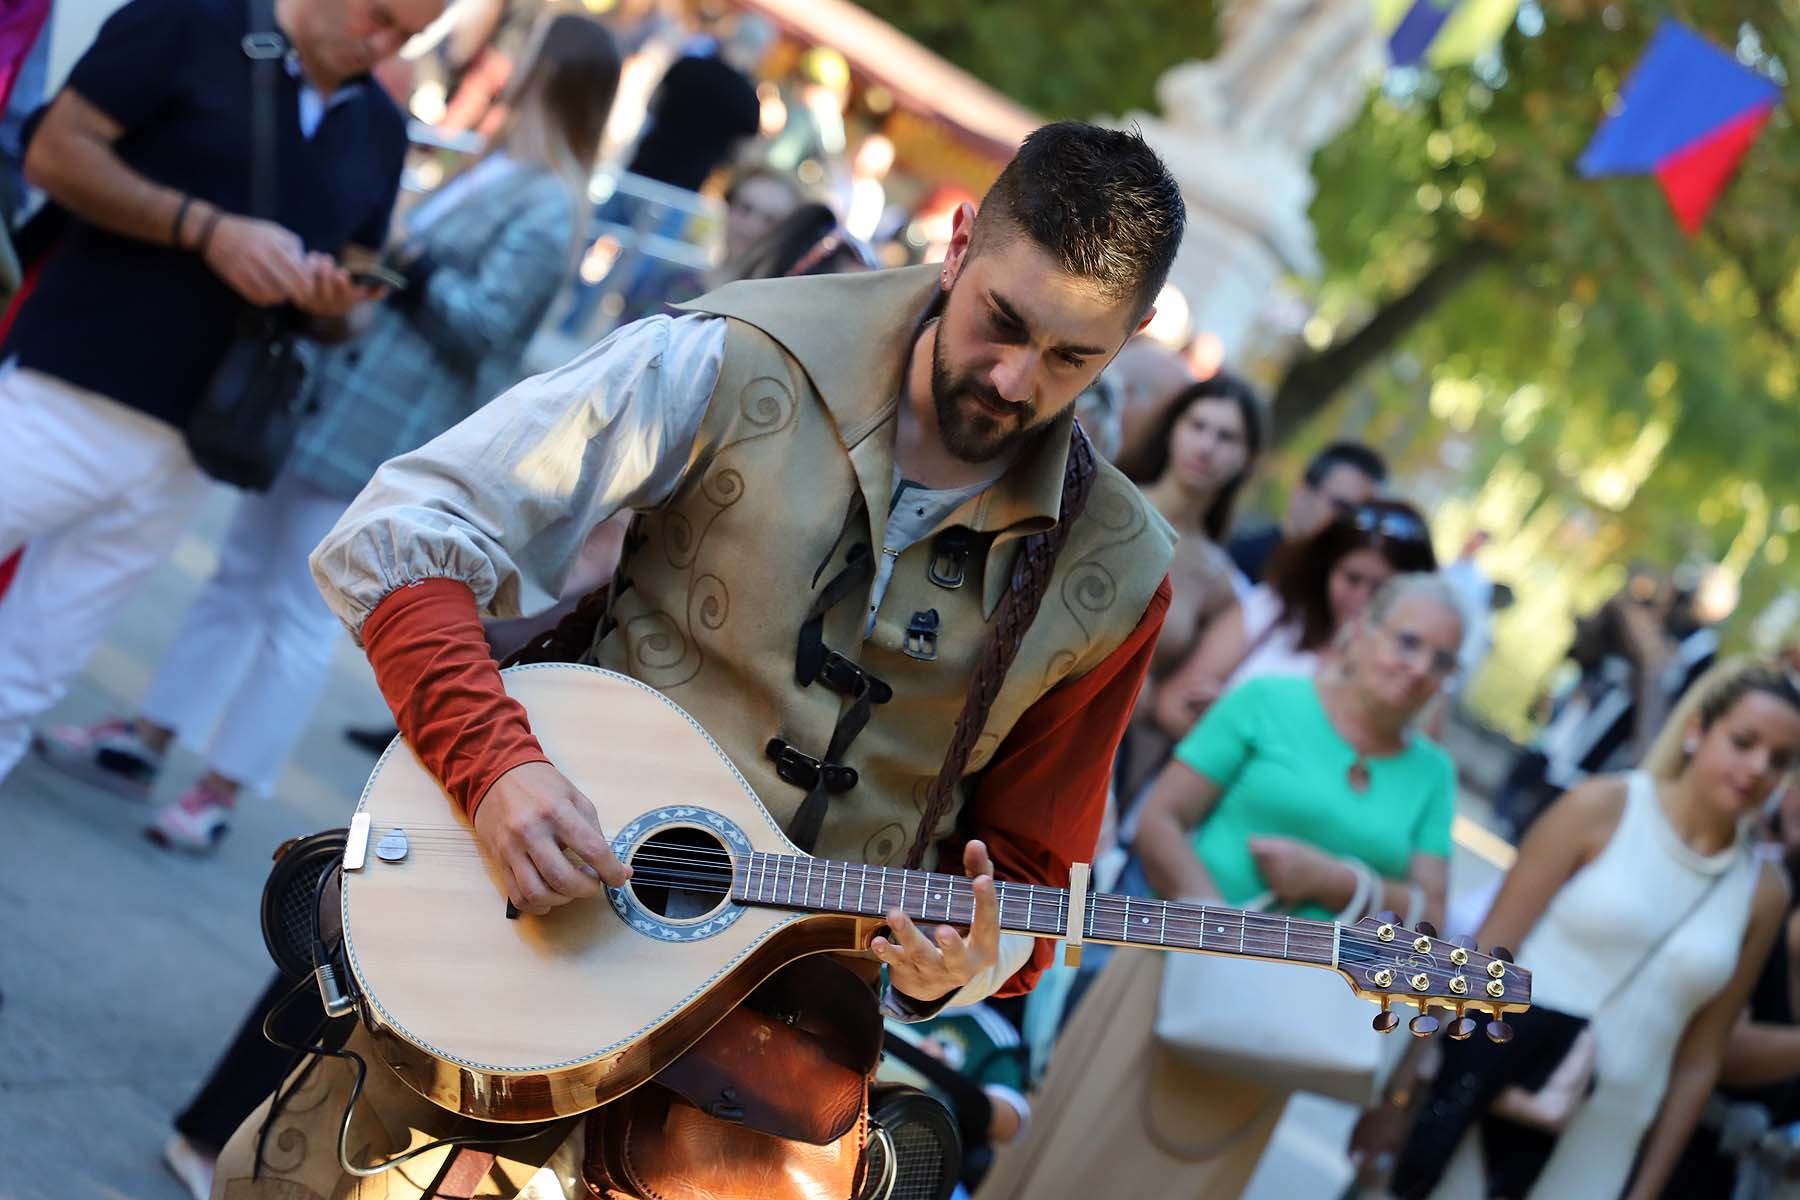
(1357, 774)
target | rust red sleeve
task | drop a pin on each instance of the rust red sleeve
(1040, 802)
(433, 664)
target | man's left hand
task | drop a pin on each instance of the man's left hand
(929, 968)
(330, 295)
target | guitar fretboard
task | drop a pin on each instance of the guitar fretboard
(821, 885)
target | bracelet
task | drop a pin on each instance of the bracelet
(1415, 904)
(206, 231)
(181, 212)
(1363, 895)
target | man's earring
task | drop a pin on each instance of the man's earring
(1690, 746)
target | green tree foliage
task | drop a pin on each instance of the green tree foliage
(1073, 59)
(1594, 290)
(1641, 384)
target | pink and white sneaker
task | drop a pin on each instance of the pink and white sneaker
(108, 753)
(196, 823)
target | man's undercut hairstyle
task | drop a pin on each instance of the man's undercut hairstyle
(1098, 200)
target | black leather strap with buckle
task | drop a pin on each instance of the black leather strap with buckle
(950, 558)
(922, 635)
(848, 679)
(805, 771)
(809, 648)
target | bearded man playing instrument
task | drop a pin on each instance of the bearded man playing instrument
(875, 558)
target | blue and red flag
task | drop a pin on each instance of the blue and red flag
(1687, 114)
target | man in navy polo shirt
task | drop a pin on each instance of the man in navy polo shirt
(149, 147)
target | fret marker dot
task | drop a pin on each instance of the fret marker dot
(1221, 929)
(1143, 920)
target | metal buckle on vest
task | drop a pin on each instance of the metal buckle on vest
(804, 771)
(261, 46)
(848, 679)
(949, 559)
(921, 636)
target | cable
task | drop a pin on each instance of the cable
(318, 1049)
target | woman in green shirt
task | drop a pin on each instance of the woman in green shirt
(1313, 790)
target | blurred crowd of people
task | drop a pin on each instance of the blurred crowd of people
(1284, 753)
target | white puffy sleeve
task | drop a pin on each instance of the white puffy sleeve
(504, 500)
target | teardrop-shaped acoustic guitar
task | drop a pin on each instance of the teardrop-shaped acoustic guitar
(528, 1019)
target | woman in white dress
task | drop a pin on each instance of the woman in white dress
(1641, 892)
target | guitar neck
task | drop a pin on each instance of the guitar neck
(820, 885)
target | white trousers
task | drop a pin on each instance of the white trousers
(255, 648)
(98, 493)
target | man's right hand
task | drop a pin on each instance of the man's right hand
(530, 821)
(261, 261)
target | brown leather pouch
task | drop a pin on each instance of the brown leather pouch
(772, 1104)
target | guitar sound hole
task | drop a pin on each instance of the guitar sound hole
(682, 873)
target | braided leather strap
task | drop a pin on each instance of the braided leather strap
(1032, 568)
(570, 639)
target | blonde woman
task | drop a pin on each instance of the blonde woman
(1640, 905)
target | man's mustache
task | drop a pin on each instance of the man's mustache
(986, 393)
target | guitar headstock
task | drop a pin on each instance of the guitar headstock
(1391, 965)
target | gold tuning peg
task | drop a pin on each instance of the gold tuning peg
(1423, 1025)
(1462, 1029)
(1386, 1020)
(1501, 953)
(1499, 1032)
(1426, 928)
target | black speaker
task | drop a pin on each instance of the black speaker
(291, 901)
(915, 1152)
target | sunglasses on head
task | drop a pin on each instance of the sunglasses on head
(1395, 525)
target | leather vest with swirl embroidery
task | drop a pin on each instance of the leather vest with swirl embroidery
(790, 478)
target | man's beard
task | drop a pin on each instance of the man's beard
(970, 432)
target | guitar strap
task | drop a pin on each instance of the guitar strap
(462, 1173)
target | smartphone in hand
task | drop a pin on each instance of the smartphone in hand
(378, 276)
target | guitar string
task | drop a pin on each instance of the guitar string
(1355, 947)
(716, 856)
(1182, 920)
(772, 863)
(1352, 954)
(811, 875)
(721, 858)
(770, 878)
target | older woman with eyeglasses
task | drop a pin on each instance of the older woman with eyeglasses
(1287, 624)
(1312, 791)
